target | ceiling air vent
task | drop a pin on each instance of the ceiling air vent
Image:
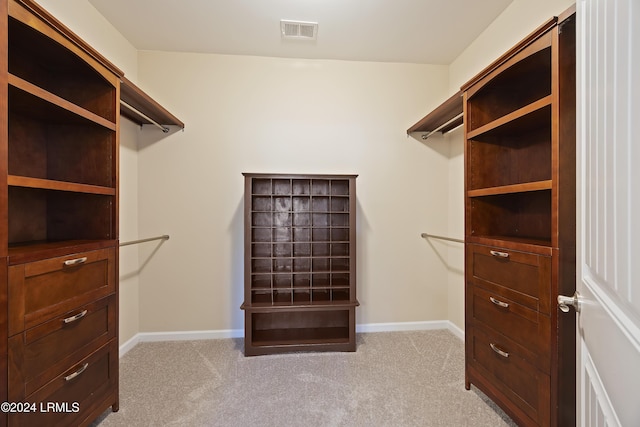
(299, 30)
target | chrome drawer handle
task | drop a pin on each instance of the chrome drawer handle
(498, 302)
(76, 317)
(499, 254)
(76, 373)
(76, 261)
(497, 350)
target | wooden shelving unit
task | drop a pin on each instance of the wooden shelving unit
(300, 284)
(520, 226)
(59, 121)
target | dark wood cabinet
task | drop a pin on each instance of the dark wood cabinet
(520, 226)
(59, 122)
(300, 264)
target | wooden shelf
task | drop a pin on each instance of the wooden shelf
(510, 189)
(446, 117)
(517, 117)
(48, 184)
(132, 96)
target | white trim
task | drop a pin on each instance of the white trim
(239, 333)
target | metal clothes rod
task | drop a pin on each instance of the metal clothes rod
(450, 239)
(427, 135)
(135, 242)
(141, 114)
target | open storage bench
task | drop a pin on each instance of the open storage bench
(300, 281)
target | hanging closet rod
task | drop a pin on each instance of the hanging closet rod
(135, 242)
(427, 135)
(144, 116)
(450, 239)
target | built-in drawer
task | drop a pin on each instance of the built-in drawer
(41, 290)
(70, 397)
(524, 326)
(522, 277)
(39, 354)
(504, 366)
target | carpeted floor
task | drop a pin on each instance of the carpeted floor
(393, 379)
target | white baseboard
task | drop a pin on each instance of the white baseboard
(239, 333)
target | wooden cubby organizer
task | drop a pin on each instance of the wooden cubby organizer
(300, 272)
(520, 226)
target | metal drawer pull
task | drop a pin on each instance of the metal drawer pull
(497, 350)
(499, 254)
(76, 317)
(75, 261)
(76, 373)
(499, 303)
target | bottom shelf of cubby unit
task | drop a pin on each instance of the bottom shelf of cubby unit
(281, 330)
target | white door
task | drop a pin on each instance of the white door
(608, 250)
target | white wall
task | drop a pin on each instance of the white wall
(83, 19)
(255, 114)
(520, 19)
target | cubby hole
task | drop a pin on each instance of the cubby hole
(282, 219)
(320, 187)
(261, 234)
(320, 264)
(261, 250)
(281, 250)
(339, 219)
(261, 297)
(521, 216)
(301, 264)
(261, 281)
(301, 280)
(47, 142)
(281, 234)
(281, 265)
(282, 204)
(301, 235)
(262, 204)
(47, 64)
(301, 187)
(281, 186)
(261, 265)
(339, 280)
(320, 204)
(283, 328)
(339, 249)
(261, 186)
(302, 249)
(339, 187)
(506, 93)
(282, 281)
(518, 152)
(261, 219)
(301, 219)
(37, 215)
(340, 234)
(339, 204)
(340, 264)
(320, 280)
(301, 204)
(320, 220)
(320, 234)
(320, 249)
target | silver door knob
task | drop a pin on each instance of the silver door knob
(564, 302)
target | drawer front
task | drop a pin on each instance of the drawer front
(41, 353)
(522, 277)
(71, 396)
(524, 326)
(43, 289)
(502, 364)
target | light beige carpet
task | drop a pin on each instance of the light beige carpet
(393, 379)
